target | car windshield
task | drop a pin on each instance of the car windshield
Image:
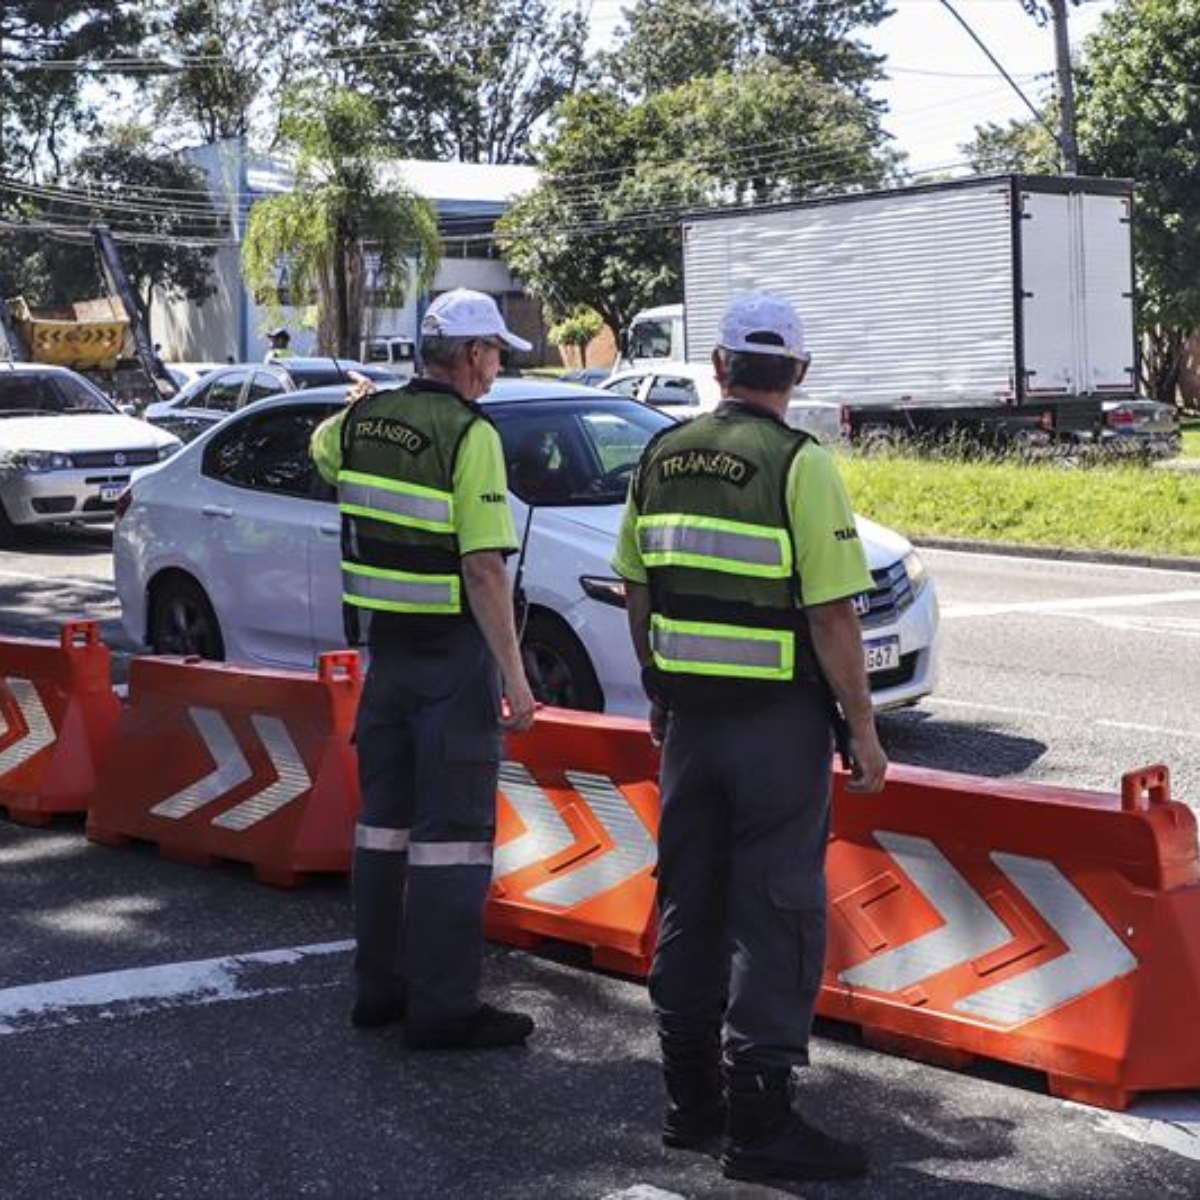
(574, 453)
(31, 394)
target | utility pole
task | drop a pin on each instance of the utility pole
(1066, 88)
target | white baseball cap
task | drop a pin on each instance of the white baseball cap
(760, 323)
(467, 314)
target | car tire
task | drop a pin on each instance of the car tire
(182, 620)
(560, 672)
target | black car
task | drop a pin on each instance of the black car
(214, 396)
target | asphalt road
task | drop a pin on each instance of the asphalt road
(167, 1031)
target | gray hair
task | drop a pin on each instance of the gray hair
(444, 352)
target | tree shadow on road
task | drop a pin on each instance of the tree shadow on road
(917, 738)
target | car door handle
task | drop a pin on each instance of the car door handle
(327, 530)
(217, 510)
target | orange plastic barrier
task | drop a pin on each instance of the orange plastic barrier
(1055, 929)
(219, 761)
(577, 819)
(58, 713)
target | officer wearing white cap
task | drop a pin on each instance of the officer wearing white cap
(425, 530)
(741, 559)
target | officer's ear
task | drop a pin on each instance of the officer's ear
(720, 364)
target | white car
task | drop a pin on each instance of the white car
(66, 451)
(232, 549)
(687, 389)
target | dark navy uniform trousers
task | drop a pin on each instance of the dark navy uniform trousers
(741, 878)
(429, 746)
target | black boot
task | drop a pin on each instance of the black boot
(695, 1114)
(767, 1140)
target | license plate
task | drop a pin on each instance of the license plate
(110, 492)
(882, 654)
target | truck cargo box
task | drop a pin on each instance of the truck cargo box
(998, 291)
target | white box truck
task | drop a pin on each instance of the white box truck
(999, 306)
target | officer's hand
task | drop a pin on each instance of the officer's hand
(519, 706)
(658, 722)
(360, 387)
(868, 762)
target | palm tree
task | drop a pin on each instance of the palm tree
(337, 212)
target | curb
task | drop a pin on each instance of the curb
(1116, 558)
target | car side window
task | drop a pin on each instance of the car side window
(223, 394)
(672, 389)
(263, 384)
(268, 452)
(627, 387)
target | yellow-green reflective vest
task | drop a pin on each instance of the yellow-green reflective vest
(715, 537)
(400, 553)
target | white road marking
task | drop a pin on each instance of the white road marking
(1067, 607)
(39, 1006)
(1104, 722)
(1170, 1122)
(73, 580)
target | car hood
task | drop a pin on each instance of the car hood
(84, 433)
(882, 546)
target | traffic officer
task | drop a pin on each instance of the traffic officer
(741, 559)
(425, 529)
(280, 345)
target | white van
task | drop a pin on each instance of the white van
(655, 335)
(398, 353)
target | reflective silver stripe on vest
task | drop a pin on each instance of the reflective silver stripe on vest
(747, 548)
(430, 509)
(718, 649)
(450, 854)
(375, 837)
(396, 591)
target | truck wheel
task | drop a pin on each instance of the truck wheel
(880, 440)
(182, 620)
(559, 670)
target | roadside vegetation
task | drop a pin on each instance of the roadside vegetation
(1132, 508)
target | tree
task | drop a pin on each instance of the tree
(816, 34)
(1024, 147)
(465, 80)
(41, 107)
(578, 330)
(152, 203)
(602, 228)
(233, 52)
(1139, 117)
(339, 211)
(667, 43)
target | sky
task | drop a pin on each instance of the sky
(942, 85)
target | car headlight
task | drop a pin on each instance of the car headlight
(168, 451)
(914, 568)
(33, 462)
(604, 588)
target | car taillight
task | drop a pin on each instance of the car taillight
(1119, 417)
(124, 500)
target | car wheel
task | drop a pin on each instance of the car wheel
(182, 620)
(559, 670)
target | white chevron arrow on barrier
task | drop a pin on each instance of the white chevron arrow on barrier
(633, 848)
(39, 729)
(970, 928)
(1095, 955)
(231, 770)
(292, 779)
(546, 833)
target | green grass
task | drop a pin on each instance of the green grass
(1128, 508)
(1191, 439)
